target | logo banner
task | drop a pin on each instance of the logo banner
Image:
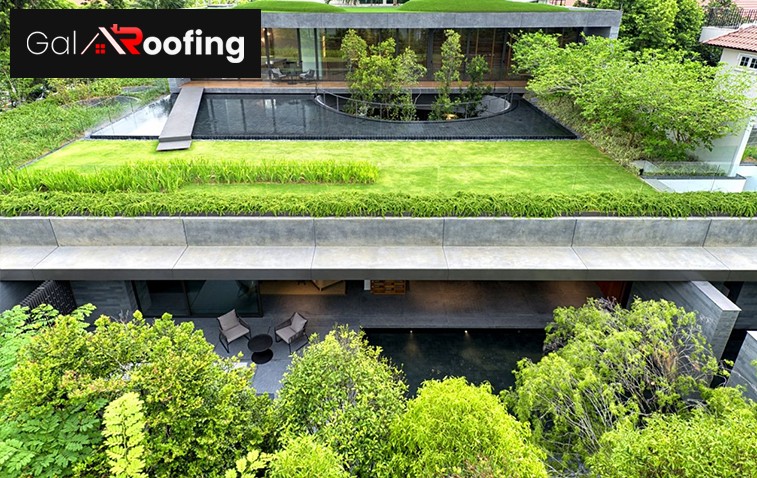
(135, 43)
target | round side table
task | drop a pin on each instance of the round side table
(260, 346)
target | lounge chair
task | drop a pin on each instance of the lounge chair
(275, 74)
(291, 330)
(308, 76)
(232, 328)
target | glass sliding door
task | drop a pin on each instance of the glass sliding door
(198, 298)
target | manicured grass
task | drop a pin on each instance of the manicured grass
(297, 6)
(509, 167)
(476, 6)
(294, 6)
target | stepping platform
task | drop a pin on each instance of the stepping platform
(177, 133)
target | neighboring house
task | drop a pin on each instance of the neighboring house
(739, 51)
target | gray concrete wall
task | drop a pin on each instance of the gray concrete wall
(715, 313)
(744, 373)
(13, 292)
(747, 301)
(112, 298)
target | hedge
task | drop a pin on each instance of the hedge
(375, 204)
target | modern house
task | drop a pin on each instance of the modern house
(204, 266)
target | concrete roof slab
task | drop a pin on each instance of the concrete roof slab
(514, 263)
(415, 263)
(18, 262)
(249, 231)
(741, 261)
(531, 232)
(109, 263)
(119, 231)
(640, 231)
(240, 262)
(26, 231)
(651, 263)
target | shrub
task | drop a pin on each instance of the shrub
(453, 428)
(376, 204)
(303, 457)
(343, 393)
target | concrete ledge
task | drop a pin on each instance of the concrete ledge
(744, 374)
(119, 231)
(18, 262)
(379, 232)
(725, 231)
(651, 263)
(514, 263)
(109, 263)
(26, 231)
(249, 231)
(639, 231)
(508, 232)
(412, 263)
(261, 263)
(413, 248)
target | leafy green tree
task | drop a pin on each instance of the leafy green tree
(15, 91)
(7, 5)
(449, 72)
(343, 393)
(376, 74)
(304, 457)
(248, 466)
(161, 4)
(656, 24)
(124, 435)
(664, 105)
(476, 69)
(453, 428)
(711, 440)
(609, 365)
(199, 409)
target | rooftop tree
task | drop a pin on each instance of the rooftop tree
(609, 365)
(343, 393)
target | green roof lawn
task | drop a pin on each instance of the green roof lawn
(298, 6)
(406, 167)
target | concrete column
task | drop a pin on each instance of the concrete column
(112, 298)
(747, 301)
(744, 372)
(716, 314)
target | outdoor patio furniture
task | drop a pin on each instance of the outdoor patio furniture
(276, 75)
(260, 346)
(308, 76)
(291, 330)
(232, 328)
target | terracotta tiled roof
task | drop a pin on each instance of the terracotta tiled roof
(743, 39)
(746, 4)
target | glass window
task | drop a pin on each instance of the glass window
(744, 61)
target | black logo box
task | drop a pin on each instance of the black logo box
(76, 29)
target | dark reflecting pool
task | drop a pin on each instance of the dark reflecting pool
(144, 123)
(479, 355)
(247, 116)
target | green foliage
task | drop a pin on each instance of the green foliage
(293, 6)
(351, 203)
(449, 71)
(32, 129)
(476, 69)
(452, 428)
(7, 5)
(199, 410)
(15, 91)
(304, 457)
(662, 103)
(709, 441)
(656, 24)
(343, 393)
(475, 6)
(377, 75)
(124, 424)
(248, 466)
(161, 4)
(151, 176)
(609, 365)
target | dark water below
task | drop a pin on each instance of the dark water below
(480, 355)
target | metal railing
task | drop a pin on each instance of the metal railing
(401, 111)
(732, 17)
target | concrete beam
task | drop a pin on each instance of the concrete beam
(249, 231)
(744, 373)
(118, 231)
(715, 312)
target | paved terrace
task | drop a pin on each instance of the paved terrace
(427, 304)
(269, 248)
